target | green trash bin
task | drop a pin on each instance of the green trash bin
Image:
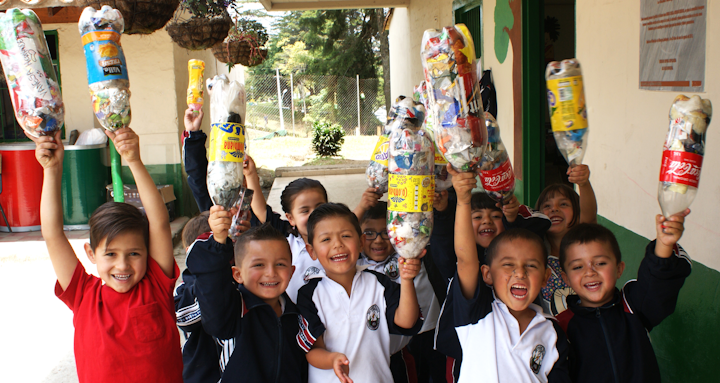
(85, 174)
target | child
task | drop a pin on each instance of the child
(608, 328)
(124, 320)
(503, 335)
(565, 208)
(349, 314)
(260, 319)
(379, 255)
(299, 198)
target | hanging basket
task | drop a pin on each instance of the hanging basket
(243, 52)
(141, 16)
(199, 33)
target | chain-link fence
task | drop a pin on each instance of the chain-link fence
(292, 103)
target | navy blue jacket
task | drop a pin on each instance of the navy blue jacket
(611, 343)
(196, 163)
(266, 349)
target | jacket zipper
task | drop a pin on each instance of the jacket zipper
(609, 346)
(280, 350)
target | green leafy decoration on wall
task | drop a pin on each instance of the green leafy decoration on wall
(504, 22)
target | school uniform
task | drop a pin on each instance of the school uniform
(358, 325)
(611, 343)
(196, 163)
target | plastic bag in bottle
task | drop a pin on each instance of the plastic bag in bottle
(100, 31)
(29, 73)
(568, 111)
(226, 151)
(495, 170)
(195, 91)
(448, 58)
(411, 187)
(683, 153)
(443, 179)
(377, 170)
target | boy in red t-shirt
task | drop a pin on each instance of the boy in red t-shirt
(125, 320)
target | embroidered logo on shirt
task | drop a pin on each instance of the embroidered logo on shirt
(391, 269)
(537, 358)
(310, 272)
(373, 317)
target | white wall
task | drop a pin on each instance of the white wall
(628, 126)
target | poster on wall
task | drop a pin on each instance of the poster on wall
(672, 45)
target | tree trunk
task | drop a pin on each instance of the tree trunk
(385, 56)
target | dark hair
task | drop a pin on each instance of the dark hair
(379, 211)
(288, 195)
(565, 191)
(195, 227)
(113, 218)
(264, 232)
(329, 210)
(586, 233)
(481, 200)
(512, 235)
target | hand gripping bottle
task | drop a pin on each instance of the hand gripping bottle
(495, 170)
(568, 111)
(448, 58)
(410, 186)
(106, 67)
(196, 71)
(683, 153)
(29, 73)
(443, 179)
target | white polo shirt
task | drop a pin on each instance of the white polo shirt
(358, 325)
(305, 266)
(494, 350)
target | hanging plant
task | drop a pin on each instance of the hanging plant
(245, 44)
(141, 16)
(208, 25)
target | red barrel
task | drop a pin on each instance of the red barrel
(22, 179)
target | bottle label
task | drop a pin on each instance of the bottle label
(411, 194)
(227, 142)
(498, 179)
(566, 99)
(196, 70)
(104, 56)
(439, 158)
(32, 78)
(382, 151)
(681, 167)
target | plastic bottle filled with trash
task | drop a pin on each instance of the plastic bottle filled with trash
(226, 151)
(411, 187)
(568, 111)
(683, 153)
(29, 73)
(495, 170)
(195, 91)
(100, 31)
(448, 58)
(377, 170)
(443, 179)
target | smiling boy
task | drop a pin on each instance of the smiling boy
(608, 328)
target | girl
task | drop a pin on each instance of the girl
(298, 200)
(565, 208)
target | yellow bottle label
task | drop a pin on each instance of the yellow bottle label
(227, 142)
(566, 98)
(411, 194)
(439, 158)
(382, 151)
(196, 71)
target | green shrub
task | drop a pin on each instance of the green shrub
(327, 139)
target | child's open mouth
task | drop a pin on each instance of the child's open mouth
(121, 277)
(487, 232)
(269, 284)
(593, 286)
(518, 291)
(339, 258)
(555, 220)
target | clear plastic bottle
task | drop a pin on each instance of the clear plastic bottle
(568, 111)
(495, 170)
(443, 179)
(683, 153)
(195, 92)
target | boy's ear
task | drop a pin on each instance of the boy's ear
(310, 251)
(237, 276)
(90, 253)
(564, 278)
(620, 269)
(486, 276)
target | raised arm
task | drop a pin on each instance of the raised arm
(195, 158)
(580, 175)
(127, 144)
(258, 203)
(49, 152)
(319, 357)
(468, 265)
(369, 199)
(408, 310)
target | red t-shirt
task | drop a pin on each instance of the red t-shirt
(128, 337)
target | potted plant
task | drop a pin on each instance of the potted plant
(141, 16)
(208, 25)
(245, 44)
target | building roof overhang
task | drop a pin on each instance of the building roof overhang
(304, 5)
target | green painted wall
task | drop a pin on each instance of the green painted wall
(686, 343)
(170, 174)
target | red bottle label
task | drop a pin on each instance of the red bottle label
(681, 167)
(500, 178)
